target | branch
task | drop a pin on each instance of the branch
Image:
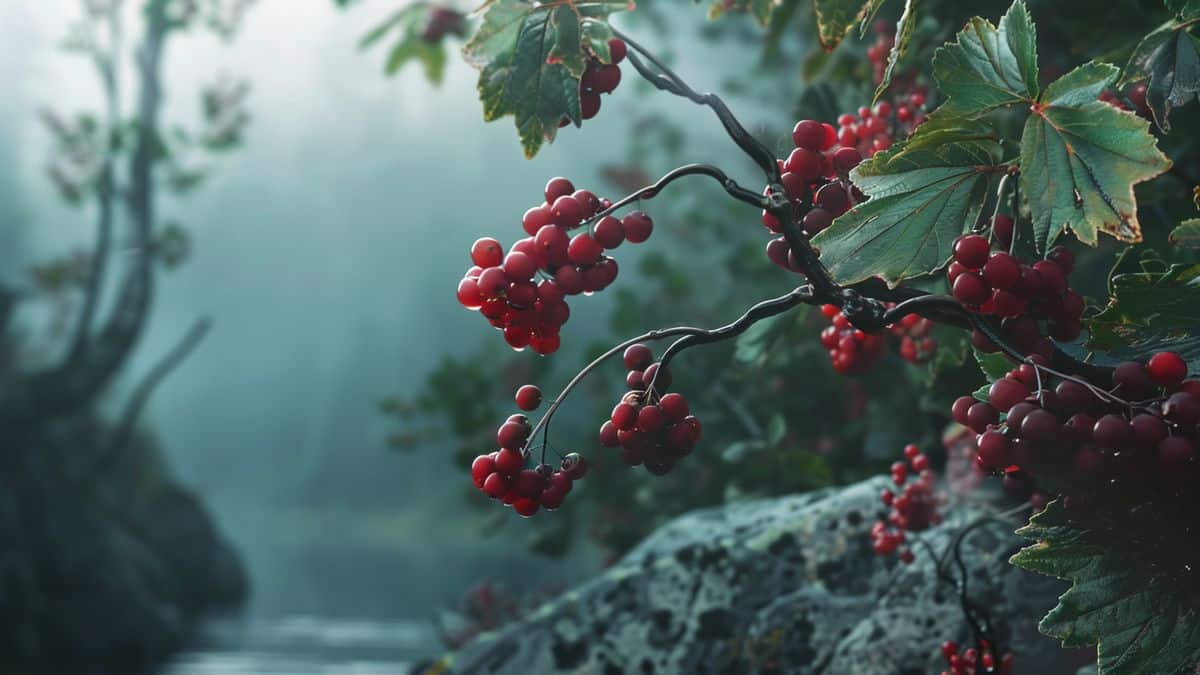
(106, 68)
(863, 302)
(667, 80)
(758, 312)
(141, 395)
(650, 191)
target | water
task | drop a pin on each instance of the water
(309, 645)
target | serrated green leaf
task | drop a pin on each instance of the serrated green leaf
(1080, 159)
(1187, 235)
(923, 193)
(988, 66)
(398, 19)
(835, 18)
(431, 55)
(530, 57)
(981, 394)
(596, 35)
(1152, 300)
(904, 33)
(1138, 622)
(994, 366)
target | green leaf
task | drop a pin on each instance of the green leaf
(1170, 59)
(904, 33)
(753, 344)
(1187, 235)
(835, 18)
(994, 366)
(1140, 624)
(923, 193)
(1155, 300)
(761, 10)
(530, 57)
(431, 55)
(869, 13)
(1080, 159)
(1184, 9)
(988, 66)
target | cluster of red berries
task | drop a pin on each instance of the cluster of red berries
(1147, 427)
(913, 510)
(916, 345)
(502, 474)
(814, 175)
(997, 283)
(599, 78)
(443, 21)
(974, 661)
(506, 289)
(853, 351)
(1135, 95)
(651, 429)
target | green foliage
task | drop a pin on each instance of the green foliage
(1080, 160)
(1187, 235)
(836, 18)
(412, 43)
(1151, 311)
(904, 33)
(923, 193)
(1169, 58)
(1140, 623)
(989, 67)
(530, 59)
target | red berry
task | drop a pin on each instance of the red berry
(1132, 381)
(638, 357)
(651, 374)
(995, 450)
(584, 250)
(846, 158)
(617, 49)
(970, 289)
(558, 187)
(608, 435)
(959, 410)
(481, 468)
(495, 486)
(674, 407)
(980, 416)
(535, 219)
(1183, 410)
(1167, 369)
(817, 220)
(649, 418)
(511, 435)
(529, 397)
(1007, 392)
(805, 163)
(589, 105)
(971, 250)
(525, 506)
(608, 232)
(1112, 431)
(468, 294)
(509, 462)
(608, 76)
(624, 416)
(567, 211)
(1001, 270)
(637, 226)
(1175, 452)
(487, 252)
(808, 134)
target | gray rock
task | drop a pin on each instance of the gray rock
(786, 585)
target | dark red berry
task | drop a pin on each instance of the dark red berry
(1167, 369)
(971, 250)
(529, 397)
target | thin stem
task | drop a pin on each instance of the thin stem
(650, 191)
(763, 310)
(667, 80)
(758, 312)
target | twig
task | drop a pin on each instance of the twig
(756, 313)
(650, 191)
(141, 395)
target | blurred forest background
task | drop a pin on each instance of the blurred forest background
(318, 215)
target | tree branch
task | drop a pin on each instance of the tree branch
(650, 191)
(758, 312)
(107, 69)
(141, 395)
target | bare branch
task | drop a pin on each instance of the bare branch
(141, 395)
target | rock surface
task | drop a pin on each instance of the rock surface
(787, 585)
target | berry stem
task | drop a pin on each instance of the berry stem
(758, 312)
(650, 191)
(667, 80)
